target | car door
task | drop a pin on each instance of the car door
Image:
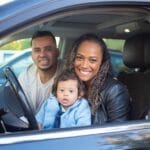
(18, 16)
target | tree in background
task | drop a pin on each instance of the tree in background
(17, 45)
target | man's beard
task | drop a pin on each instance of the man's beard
(50, 68)
(46, 69)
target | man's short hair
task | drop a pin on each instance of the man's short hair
(38, 34)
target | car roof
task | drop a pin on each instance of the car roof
(90, 16)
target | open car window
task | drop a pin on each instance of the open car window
(115, 20)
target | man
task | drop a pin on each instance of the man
(37, 80)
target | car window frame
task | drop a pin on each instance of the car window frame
(26, 22)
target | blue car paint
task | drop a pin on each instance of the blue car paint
(95, 140)
(125, 136)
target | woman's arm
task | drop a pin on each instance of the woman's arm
(117, 103)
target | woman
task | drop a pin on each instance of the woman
(109, 99)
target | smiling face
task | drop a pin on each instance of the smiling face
(67, 92)
(88, 60)
(44, 52)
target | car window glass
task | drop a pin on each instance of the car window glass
(71, 21)
(19, 45)
(115, 44)
(21, 64)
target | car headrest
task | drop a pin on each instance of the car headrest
(135, 49)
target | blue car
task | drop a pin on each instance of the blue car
(18, 63)
(116, 59)
(5, 55)
(68, 19)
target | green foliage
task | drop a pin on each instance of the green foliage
(17, 45)
(115, 44)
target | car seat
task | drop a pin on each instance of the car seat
(136, 55)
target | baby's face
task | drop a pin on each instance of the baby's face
(67, 92)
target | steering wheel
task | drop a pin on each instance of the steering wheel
(21, 98)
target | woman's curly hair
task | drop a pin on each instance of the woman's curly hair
(94, 95)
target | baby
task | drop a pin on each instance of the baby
(66, 106)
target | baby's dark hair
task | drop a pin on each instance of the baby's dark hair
(65, 75)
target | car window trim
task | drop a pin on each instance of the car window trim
(72, 132)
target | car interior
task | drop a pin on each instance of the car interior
(131, 24)
(135, 56)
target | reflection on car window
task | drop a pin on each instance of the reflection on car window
(21, 65)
